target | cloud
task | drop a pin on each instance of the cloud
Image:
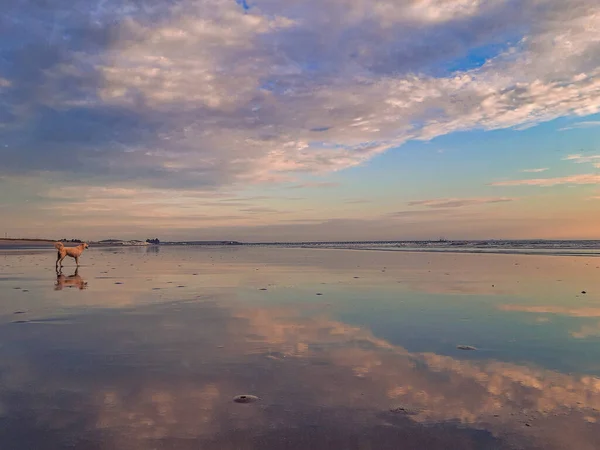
(535, 170)
(579, 125)
(97, 205)
(357, 201)
(459, 202)
(580, 159)
(560, 310)
(211, 93)
(547, 182)
(586, 331)
(262, 210)
(314, 184)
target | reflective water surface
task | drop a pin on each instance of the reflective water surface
(146, 348)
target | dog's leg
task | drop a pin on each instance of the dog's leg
(77, 260)
(61, 259)
(57, 260)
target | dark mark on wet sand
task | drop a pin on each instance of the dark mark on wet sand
(404, 410)
(466, 347)
(245, 398)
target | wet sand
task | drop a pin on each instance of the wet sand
(6, 244)
(152, 347)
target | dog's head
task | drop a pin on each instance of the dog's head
(85, 245)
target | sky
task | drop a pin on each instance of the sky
(285, 120)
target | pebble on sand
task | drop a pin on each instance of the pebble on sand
(583, 292)
(466, 347)
(245, 398)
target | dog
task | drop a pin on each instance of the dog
(74, 280)
(73, 252)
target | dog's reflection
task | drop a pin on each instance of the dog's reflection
(70, 281)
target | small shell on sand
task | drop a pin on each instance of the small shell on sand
(245, 398)
(466, 347)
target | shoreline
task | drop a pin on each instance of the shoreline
(44, 244)
(525, 252)
(593, 253)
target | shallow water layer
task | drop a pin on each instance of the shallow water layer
(151, 348)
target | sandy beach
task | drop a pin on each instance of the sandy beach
(148, 347)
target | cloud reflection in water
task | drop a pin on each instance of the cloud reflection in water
(165, 376)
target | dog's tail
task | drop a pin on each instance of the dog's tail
(59, 245)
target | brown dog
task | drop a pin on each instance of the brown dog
(73, 252)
